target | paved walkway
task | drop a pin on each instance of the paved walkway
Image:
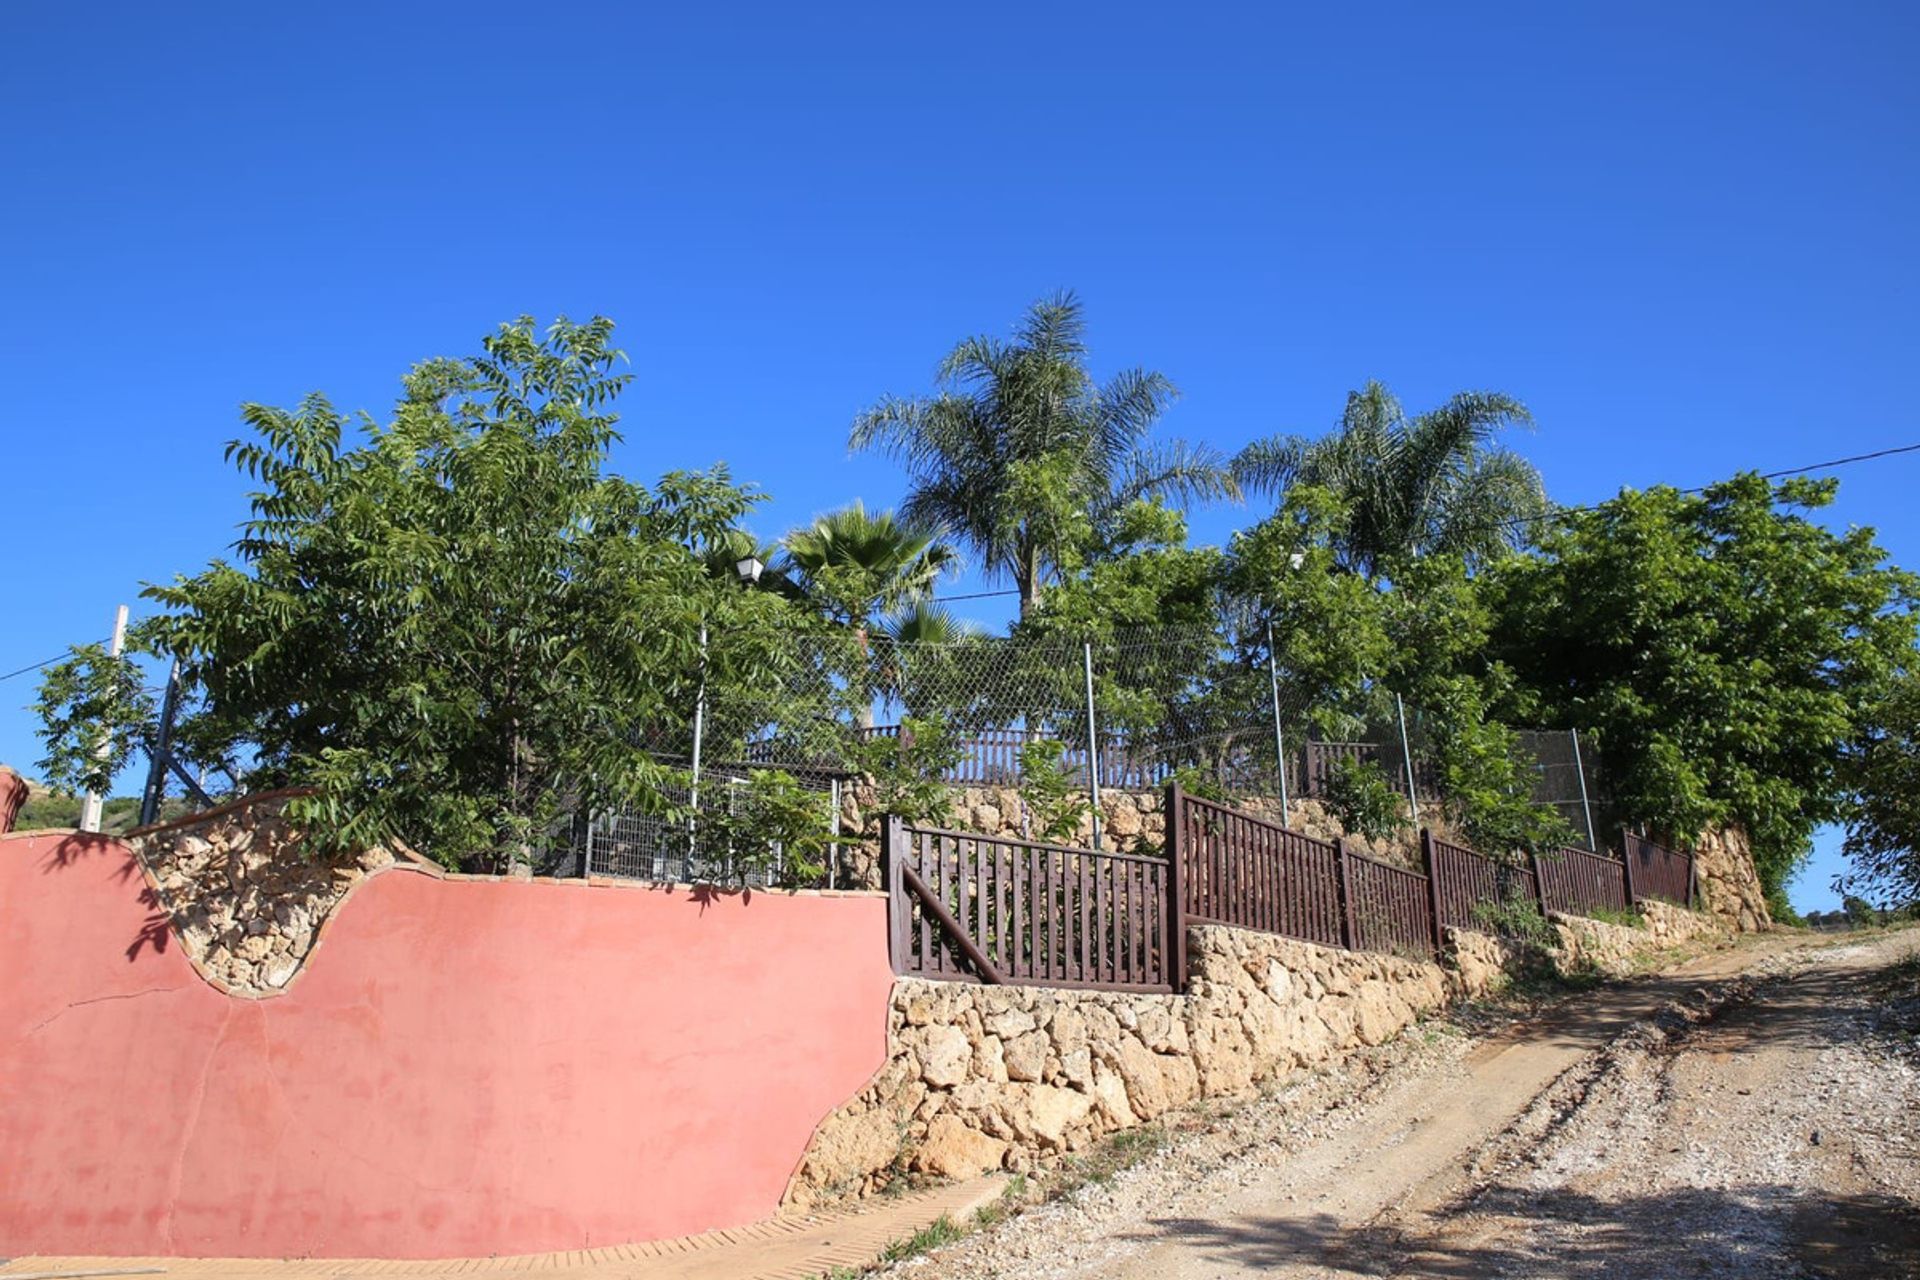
(795, 1248)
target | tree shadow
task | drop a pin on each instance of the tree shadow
(1758, 1230)
(156, 930)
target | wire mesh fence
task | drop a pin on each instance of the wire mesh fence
(1128, 711)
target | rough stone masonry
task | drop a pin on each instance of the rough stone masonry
(1003, 1077)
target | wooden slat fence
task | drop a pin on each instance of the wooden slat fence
(1582, 883)
(1655, 871)
(1239, 870)
(1465, 882)
(975, 908)
(1390, 906)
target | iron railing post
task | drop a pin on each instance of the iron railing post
(162, 750)
(1176, 926)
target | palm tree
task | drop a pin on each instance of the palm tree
(1437, 483)
(1028, 460)
(853, 566)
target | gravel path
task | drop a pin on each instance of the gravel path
(1754, 1113)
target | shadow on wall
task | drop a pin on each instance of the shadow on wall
(70, 850)
(463, 1067)
(1744, 1230)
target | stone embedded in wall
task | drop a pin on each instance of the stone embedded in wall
(243, 896)
(1729, 886)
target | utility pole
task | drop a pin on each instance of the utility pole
(90, 809)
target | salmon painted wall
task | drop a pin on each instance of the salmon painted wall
(464, 1067)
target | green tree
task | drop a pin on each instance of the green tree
(853, 566)
(1883, 807)
(1023, 456)
(462, 627)
(1721, 649)
(1435, 483)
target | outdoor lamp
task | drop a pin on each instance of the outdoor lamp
(749, 569)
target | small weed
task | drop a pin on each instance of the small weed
(1117, 1151)
(1517, 919)
(942, 1230)
(1630, 918)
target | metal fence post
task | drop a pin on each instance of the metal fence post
(586, 855)
(1406, 756)
(833, 849)
(1580, 771)
(1279, 742)
(893, 852)
(90, 809)
(162, 750)
(1093, 744)
(1348, 928)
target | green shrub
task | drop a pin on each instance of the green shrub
(1517, 919)
(1054, 799)
(909, 772)
(1365, 802)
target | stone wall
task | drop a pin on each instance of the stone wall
(246, 901)
(1617, 950)
(985, 1077)
(13, 794)
(1005, 1077)
(1729, 885)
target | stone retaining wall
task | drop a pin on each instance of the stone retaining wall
(1729, 885)
(1006, 1077)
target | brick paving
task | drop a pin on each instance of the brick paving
(783, 1248)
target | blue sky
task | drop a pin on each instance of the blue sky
(1685, 239)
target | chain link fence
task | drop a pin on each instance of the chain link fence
(1127, 712)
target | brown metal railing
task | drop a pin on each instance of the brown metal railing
(1466, 883)
(976, 908)
(1239, 870)
(1655, 871)
(1581, 883)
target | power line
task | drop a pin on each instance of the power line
(1557, 512)
(977, 595)
(37, 665)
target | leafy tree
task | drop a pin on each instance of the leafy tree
(95, 712)
(909, 770)
(1025, 457)
(1435, 483)
(1055, 802)
(1883, 809)
(462, 627)
(1718, 648)
(1361, 796)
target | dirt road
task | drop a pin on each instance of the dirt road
(1755, 1113)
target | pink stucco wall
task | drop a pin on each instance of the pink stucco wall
(463, 1068)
